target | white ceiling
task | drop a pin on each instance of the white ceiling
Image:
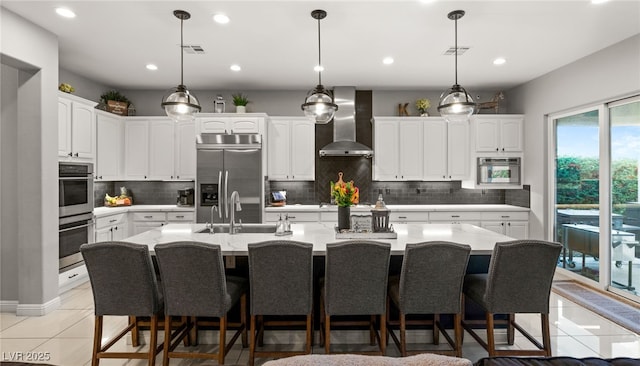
(275, 42)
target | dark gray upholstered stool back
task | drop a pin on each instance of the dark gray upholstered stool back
(520, 277)
(281, 277)
(122, 278)
(193, 279)
(356, 275)
(432, 277)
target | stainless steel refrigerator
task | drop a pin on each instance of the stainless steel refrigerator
(227, 163)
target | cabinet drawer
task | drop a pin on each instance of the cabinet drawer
(456, 216)
(105, 221)
(505, 216)
(408, 216)
(149, 216)
(180, 216)
(293, 216)
(329, 216)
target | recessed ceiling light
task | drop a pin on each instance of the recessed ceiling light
(387, 60)
(152, 67)
(598, 1)
(499, 61)
(221, 19)
(235, 67)
(318, 68)
(64, 12)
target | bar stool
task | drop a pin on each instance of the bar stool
(195, 285)
(123, 282)
(519, 281)
(355, 283)
(430, 282)
(281, 283)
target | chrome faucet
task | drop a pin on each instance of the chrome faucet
(213, 208)
(234, 199)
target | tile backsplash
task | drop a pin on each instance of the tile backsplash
(143, 192)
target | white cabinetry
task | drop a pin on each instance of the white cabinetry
(112, 227)
(230, 123)
(398, 149)
(512, 224)
(498, 133)
(149, 149)
(185, 150)
(294, 216)
(446, 150)
(147, 220)
(109, 157)
(404, 217)
(76, 129)
(291, 148)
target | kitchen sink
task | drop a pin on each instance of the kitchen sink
(244, 229)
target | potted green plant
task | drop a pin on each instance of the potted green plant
(116, 102)
(240, 101)
(422, 105)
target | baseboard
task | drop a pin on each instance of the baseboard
(8, 306)
(38, 309)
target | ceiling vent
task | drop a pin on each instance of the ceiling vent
(452, 51)
(193, 49)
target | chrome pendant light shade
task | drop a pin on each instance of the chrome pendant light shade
(181, 105)
(319, 101)
(455, 103)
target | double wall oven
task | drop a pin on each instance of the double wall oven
(75, 214)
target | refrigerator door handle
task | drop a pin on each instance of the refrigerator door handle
(226, 194)
(242, 150)
(219, 194)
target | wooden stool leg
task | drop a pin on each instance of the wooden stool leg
(135, 332)
(546, 339)
(511, 333)
(372, 330)
(243, 318)
(193, 334)
(223, 343)
(436, 331)
(309, 334)
(97, 340)
(403, 335)
(153, 342)
(327, 335)
(491, 342)
(252, 340)
(383, 334)
(167, 341)
(457, 330)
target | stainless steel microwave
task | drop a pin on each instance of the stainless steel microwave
(499, 171)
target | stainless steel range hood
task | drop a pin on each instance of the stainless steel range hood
(344, 126)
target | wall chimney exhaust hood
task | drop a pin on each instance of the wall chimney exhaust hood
(344, 126)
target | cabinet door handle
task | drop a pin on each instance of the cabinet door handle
(292, 217)
(455, 215)
(145, 177)
(115, 228)
(100, 177)
(502, 224)
(172, 177)
(76, 155)
(70, 154)
(497, 149)
(148, 217)
(503, 149)
(111, 229)
(505, 216)
(177, 177)
(114, 220)
(444, 176)
(180, 216)
(72, 276)
(402, 217)
(508, 224)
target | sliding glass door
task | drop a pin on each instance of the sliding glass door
(596, 209)
(624, 119)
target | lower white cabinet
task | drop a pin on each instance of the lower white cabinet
(512, 224)
(294, 217)
(112, 228)
(404, 217)
(148, 220)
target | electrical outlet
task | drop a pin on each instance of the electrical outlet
(230, 261)
(387, 191)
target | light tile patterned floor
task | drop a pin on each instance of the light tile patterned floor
(66, 335)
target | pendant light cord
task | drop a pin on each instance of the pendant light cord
(181, 52)
(456, 49)
(319, 56)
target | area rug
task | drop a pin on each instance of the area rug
(608, 307)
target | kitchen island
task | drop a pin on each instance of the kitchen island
(481, 240)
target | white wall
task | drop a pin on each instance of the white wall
(35, 55)
(605, 75)
(84, 88)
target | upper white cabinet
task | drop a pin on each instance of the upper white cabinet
(498, 133)
(136, 149)
(110, 147)
(446, 150)
(185, 150)
(149, 149)
(76, 128)
(230, 123)
(398, 148)
(291, 148)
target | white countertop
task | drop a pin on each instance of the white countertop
(481, 240)
(104, 211)
(318, 208)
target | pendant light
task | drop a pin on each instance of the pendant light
(181, 105)
(456, 104)
(319, 101)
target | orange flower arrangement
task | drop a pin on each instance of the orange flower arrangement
(345, 194)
